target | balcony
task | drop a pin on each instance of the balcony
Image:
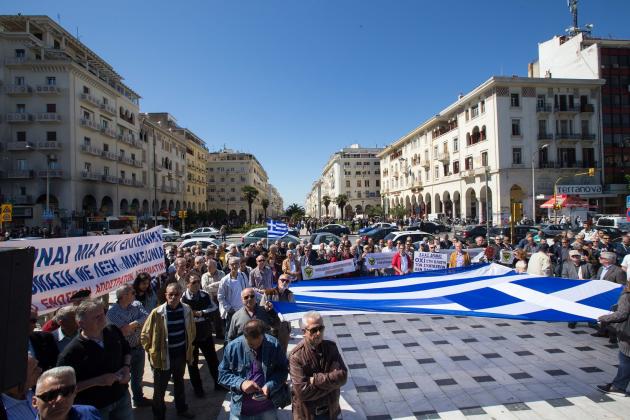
(22, 199)
(587, 136)
(444, 157)
(567, 109)
(110, 179)
(91, 150)
(138, 144)
(138, 183)
(89, 123)
(568, 136)
(545, 136)
(416, 186)
(110, 155)
(168, 189)
(20, 174)
(543, 108)
(108, 109)
(467, 173)
(19, 146)
(19, 117)
(425, 163)
(157, 167)
(126, 160)
(137, 163)
(47, 89)
(91, 176)
(587, 108)
(126, 138)
(86, 97)
(109, 132)
(576, 164)
(481, 170)
(48, 117)
(179, 173)
(49, 145)
(18, 90)
(126, 181)
(51, 173)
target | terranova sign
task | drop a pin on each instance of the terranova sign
(579, 189)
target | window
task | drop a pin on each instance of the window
(20, 53)
(378, 182)
(122, 174)
(122, 153)
(482, 105)
(19, 81)
(133, 156)
(106, 147)
(358, 194)
(456, 167)
(566, 157)
(51, 81)
(455, 144)
(517, 156)
(588, 156)
(51, 108)
(358, 182)
(22, 164)
(515, 100)
(467, 115)
(20, 136)
(436, 173)
(86, 90)
(20, 108)
(542, 127)
(87, 166)
(51, 136)
(484, 159)
(516, 127)
(87, 115)
(133, 177)
(585, 128)
(347, 183)
(366, 183)
(468, 164)
(474, 111)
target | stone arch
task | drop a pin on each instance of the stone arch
(471, 203)
(457, 210)
(178, 206)
(427, 203)
(194, 206)
(368, 208)
(408, 204)
(242, 215)
(124, 206)
(107, 206)
(517, 195)
(447, 204)
(184, 206)
(358, 209)
(171, 205)
(88, 205)
(348, 212)
(163, 205)
(134, 208)
(485, 211)
(438, 204)
(145, 206)
(52, 200)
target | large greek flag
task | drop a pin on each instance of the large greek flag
(489, 290)
(276, 229)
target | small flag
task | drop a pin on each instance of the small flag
(276, 229)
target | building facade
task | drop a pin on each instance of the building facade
(582, 56)
(276, 203)
(69, 126)
(475, 157)
(353, 171)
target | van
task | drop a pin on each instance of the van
(618, 222)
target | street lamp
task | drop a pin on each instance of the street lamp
(543, 147)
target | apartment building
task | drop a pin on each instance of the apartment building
(353, 171)
(276, 203)
(479, 152)
(69, 126)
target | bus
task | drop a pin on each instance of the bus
(113, 225)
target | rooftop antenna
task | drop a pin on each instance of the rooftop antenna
(78, 39)
(58, 18)
(575, 29)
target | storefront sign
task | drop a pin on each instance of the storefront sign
(579, 189)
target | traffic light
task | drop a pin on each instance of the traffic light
(591, 171)
(557, 206)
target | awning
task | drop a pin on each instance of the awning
(564, 200)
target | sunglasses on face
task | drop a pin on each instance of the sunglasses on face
(52, 395)
(249, 297)
(315, 330)
(195, 282)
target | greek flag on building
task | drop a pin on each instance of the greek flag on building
(489, 290)
(276, 229)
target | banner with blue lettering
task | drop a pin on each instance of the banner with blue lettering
(97, 263)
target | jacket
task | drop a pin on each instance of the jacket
(396, 262)
(200, 302)
(154, 336)
(329, 373)
(45, 348)
(539, 264)
(286, 268)
(225, 293)
(570, 271)
(237, 361)
(241, 317)
(614, 274)
(452, 259)
(620, 315)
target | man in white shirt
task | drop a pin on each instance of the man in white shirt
(625, 264)
(588, 231)
(540, 263)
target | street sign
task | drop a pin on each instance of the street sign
(628, 201)
(6, 213)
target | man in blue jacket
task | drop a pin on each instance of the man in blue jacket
(254, 367)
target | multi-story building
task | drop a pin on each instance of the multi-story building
(480, 150)
(166, 153)
(353, 171)
(69, 122)
(586, 57)
(228, 172)
(276, 204)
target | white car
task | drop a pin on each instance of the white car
(202, 232)
(169, 235)
(204, 242)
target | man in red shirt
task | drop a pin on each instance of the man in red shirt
(402, 262)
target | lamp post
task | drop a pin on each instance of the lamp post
(543, 147)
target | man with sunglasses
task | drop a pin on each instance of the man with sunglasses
(251, 310)
(261, 277)
(54, 397)
(317, 372)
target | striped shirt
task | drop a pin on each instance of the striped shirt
(176, 331)
(20, 409)
(119, 316)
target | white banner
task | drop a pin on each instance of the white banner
(506, 256)
(424, 261)
(97, 263)
(378, 260)
(310, 272)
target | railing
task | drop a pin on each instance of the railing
(23, 199)
(467, 173)
(47, 89)
(111, 179)
(91, 176)
(20, 145)
(19, 117)
(90, 99)
(51, 173)
(168, 189)
(126, 138)
(587, 108)
(110, 155)
(545, 136)
(49, 145)
(21, 173)
(18, 89)
(137, 163)
(138, 183)
(566, 108)
(110, 132)
(108, 108)
(443, 156)
(126, 181)
(425, 163)
(567, 165)
(543, 108)
(89, 123)
(568, 136)
(48, 117)
(587, 136)
(91, 150)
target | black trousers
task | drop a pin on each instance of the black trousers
(207, 348)
(160, 382)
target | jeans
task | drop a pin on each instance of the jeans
(207, 348)
(160, 382)
(228, 320)
(623, 372)
(137, 370)
(266, 415)
(120, 410)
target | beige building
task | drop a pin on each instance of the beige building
(66, 117)
(276, 203)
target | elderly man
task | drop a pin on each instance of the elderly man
(261, 277)
(68, 327)
(17, 401)
(254, 368)
(623, 248)
(101, 359)
(181, 270)
(317, 372)
(229, 293)
(402, 262)
(251, 310)
(577, 269)
(540, 263)
(129, 315)
(200, 264)
(291, 266)
(167, 337)
(459, 257)
(210, 284)
(54, 397)
(608, 270)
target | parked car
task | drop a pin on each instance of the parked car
(204, 242)
(294, 232)
(323, 237)
(469, 233)
(555, 229)
(431, 227)
(378, 233)
(402, 236)
(169, 235)
(613, 221)
(520, 231)
(334, 228)
(257, 234)
(374, 226)
(202, 232)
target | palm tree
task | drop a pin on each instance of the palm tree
(249, 193)
(326, 201)
(341, 201)
(294, 212)
(264, 203)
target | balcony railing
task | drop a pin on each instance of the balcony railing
(110, 155)
(567, 164)
(91, 176)
(568, 136)
(179, 173)
(126, 159)
(47, 89)
(138, 183)
(587, 108)
(567, 108)
(51, 173)
(168, 189)
(91, 150)
(89, 123)
(107, 108)
(90, 99)
(467, 173)
(543, 107)
(126, 138)
(425, 163)
(110, 179)
(23, 199)
(444, 156)
(18, 90)
(49, 145)
(110, 132)
(19, 117)
(20, 174)
(48, 117)
(587, 136)
(19, 145)
(545, 136)
(126, 181)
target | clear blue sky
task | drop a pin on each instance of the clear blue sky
(293, 81)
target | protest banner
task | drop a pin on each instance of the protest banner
(100, 264)
(327, 270)
(378, 260)
(424, 261)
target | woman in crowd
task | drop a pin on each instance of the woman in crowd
(146, 290)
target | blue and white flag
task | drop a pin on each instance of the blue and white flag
(490, 290)
(276, 229)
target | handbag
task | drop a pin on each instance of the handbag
(282, 396)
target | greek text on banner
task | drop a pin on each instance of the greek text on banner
(310, 272)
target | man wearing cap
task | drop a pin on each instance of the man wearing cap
(609, 271)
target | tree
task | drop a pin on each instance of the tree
(294, 212)
(341, 201)
(264, 203)
(398, 212)
(326, 200)
(249, 194)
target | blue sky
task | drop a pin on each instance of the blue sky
(293, 81)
